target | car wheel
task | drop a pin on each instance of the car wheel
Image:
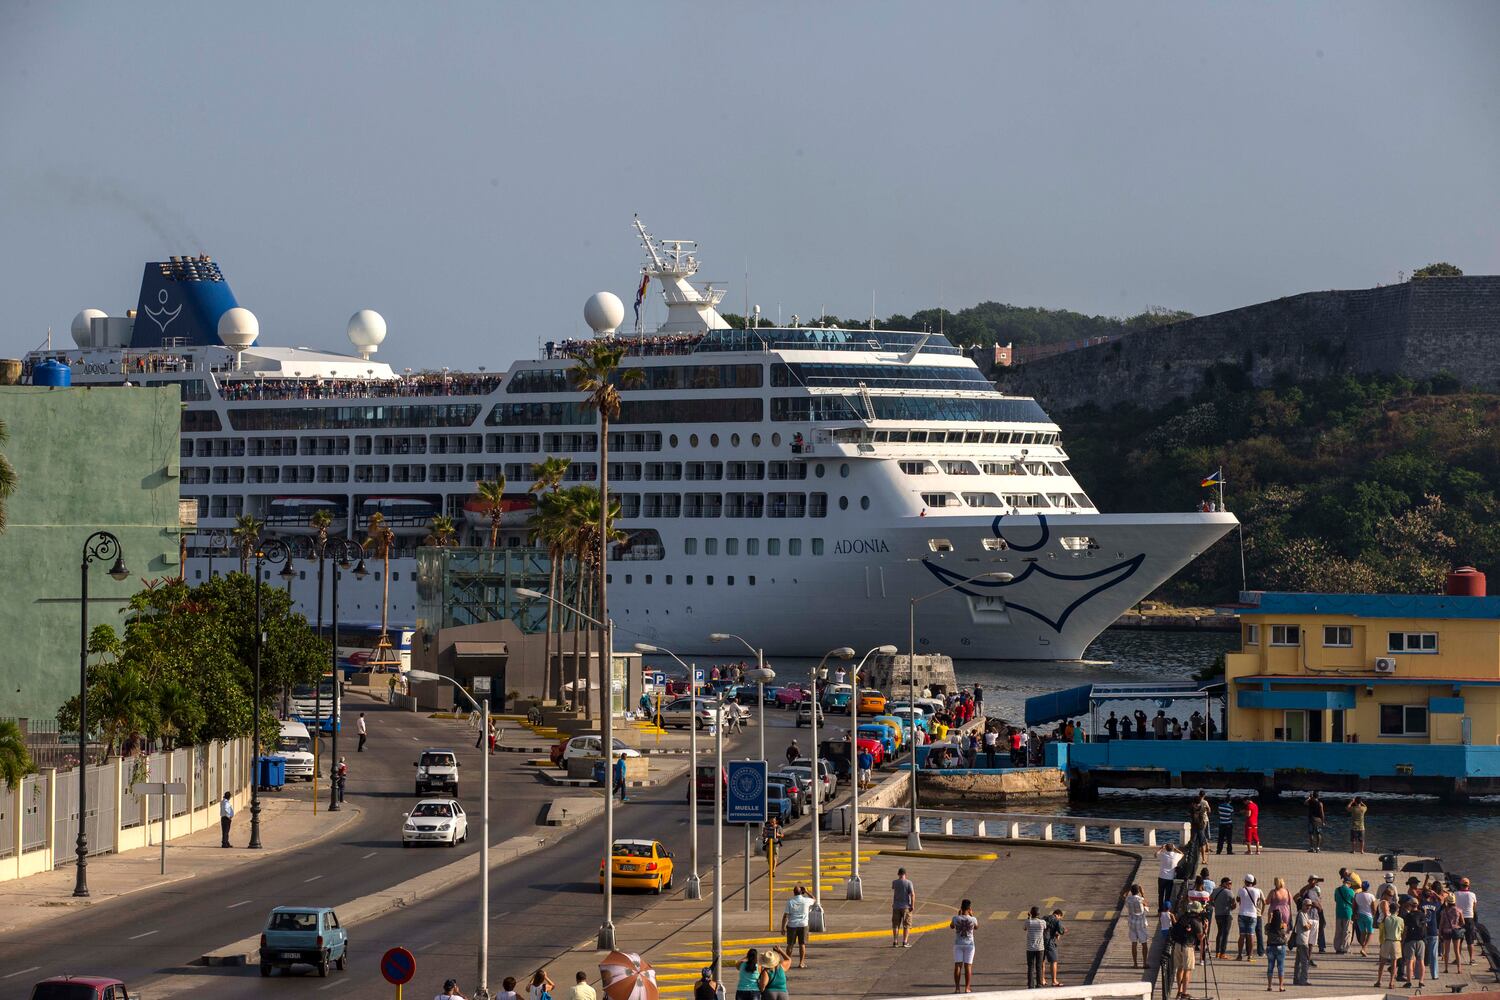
(453, 840)
(343, 960)
(418, 792)
(265, 970)
(657, 890)
(405, 843)
(323, 966)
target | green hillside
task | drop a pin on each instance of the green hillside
(1350, 484)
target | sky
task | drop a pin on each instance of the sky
(470, 170)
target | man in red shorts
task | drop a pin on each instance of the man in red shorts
(1252, 827)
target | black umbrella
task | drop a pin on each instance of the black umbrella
(1424, 865)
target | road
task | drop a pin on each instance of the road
(540, 906)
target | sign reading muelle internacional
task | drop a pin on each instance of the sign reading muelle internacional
(747, 792)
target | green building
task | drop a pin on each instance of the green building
(86, 459)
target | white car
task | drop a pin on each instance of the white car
(805, 712)
(830, 776)
(685, 712)
(437, 771)
(435, 821)
(803, 774)
(589, 746)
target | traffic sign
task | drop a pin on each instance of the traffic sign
(659, 679)
(398, 966)
(700, 675)
(747, 792)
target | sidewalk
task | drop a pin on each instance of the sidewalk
(286, 824)
(855, 958)
(1334, 974)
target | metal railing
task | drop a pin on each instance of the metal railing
(1027, 826)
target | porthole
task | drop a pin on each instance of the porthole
(864, 503)
(844, 471)
(734, 440)
(843, 503)
(672, 440)
(775, 440)
(755, 440)
(818, 470)
(713, 440)
(693, 440)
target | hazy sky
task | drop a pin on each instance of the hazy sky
(470, 170)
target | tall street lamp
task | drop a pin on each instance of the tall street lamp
(694, 884)
(855, 888)
(815, 916)
(761, 676)
(342, 550)
(218, 542)
(483, 708)
(276, 551)
(100, 545)
(914, 835)
(606, 939)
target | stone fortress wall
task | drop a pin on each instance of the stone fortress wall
(1418, 329)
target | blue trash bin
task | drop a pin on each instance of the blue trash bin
(270, 772)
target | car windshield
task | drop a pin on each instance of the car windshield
(437, 760)
(432, 809)
(62, 991)
(294, 744)
(294, 922)
(632, 850)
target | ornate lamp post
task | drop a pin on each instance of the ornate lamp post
(218, 542)
(854, 888)
(276, 551)
(100, 545)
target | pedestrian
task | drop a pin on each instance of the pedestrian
(706, 988)
(226, 817)
(978, 698)
(1413, 943)
(1316, 815)
(772, 978)
(391, 689)
(1276, 935)
(1055, 930)
(1252, 827)
(1364, 917)
(1016, 749)
(541, 985)
(770, 838)
(1451, 931)
(1356, 810)
(1304, 934)
(903, 902)
(363, 733)
(1036, 930)
(1199, 812)
(1222, 904)
(866, 765)
(989, 748)
(1168, 857)
(1126, 728)
(1136, 911)
(341, 775)
(1112, 727)
(1468, 905)
(1343, 912)
(1280, 900)
(1392, 927)
(1226, 827)
(1250, 901)
(450, 991)
(1313, 891)
(793, 752)
(794, 923)
(1432, 905)
(581, 988)
(1200, 891)
(1183, 938)
(747, 981)
(508, 989)
(1159, 725)
(621, 785)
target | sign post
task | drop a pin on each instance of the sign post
(747, 804)
(166, 789)
(398, 966)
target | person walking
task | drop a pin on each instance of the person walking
(794, 923)
(450, 991)
(341, 775)
(1226, 827)
(581, 988)
(1343, 913)
(1250, 901)
(903, 902)
(1055, 930)
(747, 980)
(1451, 931)
(964, 924)
(1183, 938)
(1304, 934)
(1136, 911)
(772, 978)
(866, 766)
(1276, 936)
(793, 752)
(1467, 902)
(1168, 858)
(1356, 810)
(1316, 816)
(1199, 813)
(226, 817)
(1364, 917)
(363, 732)
(621, 785)
(1036, 930)
(1392, 927)
(1221, 904)
(1413, 943)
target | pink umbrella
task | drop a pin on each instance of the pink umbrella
(628, 976)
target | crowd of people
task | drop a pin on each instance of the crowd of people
(1138, 726)
(656, 345)
(445, 384)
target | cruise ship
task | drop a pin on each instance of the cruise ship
(796, 485)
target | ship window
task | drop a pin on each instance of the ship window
(734, 440)
(710, 546)
(844, 470)
(710, 581)
(755, 440)
(693, 440)
(672, 440)
(773, 546)
(817, 546)
(818, 470)
(729, 581)
(731, 546)
(690, 546)
(1078, 543)
(794, 546)
(751, 581)
(939, 545)
(843, 503)
(713, 440)
(628, 578)
(864, 503)
(752, 546)
(775, 440)
(648, 577)
(689, 580)
(736, 409)
(993, 544)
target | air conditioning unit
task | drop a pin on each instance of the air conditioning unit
(1385, 665)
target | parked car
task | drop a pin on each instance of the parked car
(932, 706)
(591, 746)
(909, 718)
(790, 696)
(557, 750)
(295, 746)
(897, 726)
(703, 774)
(837, 697)
(435, 821)
(303, 935)
(797, 788)
(825, 768)
(685, 712)
(781, 799)
(639, 864)
(871, 702)
(437, 771)
(772, 692)
(805, 713)
(746, 694)
(82, 988)
(805, 781)
(883, 734)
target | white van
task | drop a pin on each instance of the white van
(296, 746)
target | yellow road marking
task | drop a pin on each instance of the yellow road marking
(1000, 915)
(1084, 915)
(781, 940)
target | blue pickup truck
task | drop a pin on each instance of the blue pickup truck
(306, 935)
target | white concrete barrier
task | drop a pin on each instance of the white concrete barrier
(1011, 826)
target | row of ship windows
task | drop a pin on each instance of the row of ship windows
(713, 505)
(1061, 501)
(687, 579)
(751, 376)
(956, 467)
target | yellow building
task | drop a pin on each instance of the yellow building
(1366, 668)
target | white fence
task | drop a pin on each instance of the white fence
(39, 817)
(1024, 826)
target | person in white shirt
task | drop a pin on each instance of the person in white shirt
(1364, 917)
(226, 817)
(1468, 905)
(581, 988)
(1250, 901)
(1169, 857)
(362, 732)
(508, 990)
(450, 991)
(794, 923)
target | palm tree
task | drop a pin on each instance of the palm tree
(246, 533)
(15, 757)
(546, 525)
(319, 521)
(380, 539)
(595, 375)
(7, 477)
(441, 531)
(492, 499)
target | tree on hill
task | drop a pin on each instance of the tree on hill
(7, 477)
(1442, 269)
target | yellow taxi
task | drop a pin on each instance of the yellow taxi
(639, 864)
(871, 702)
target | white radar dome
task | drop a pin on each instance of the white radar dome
(238, 328)
(366, 332)
(604, 312)
(83, 334)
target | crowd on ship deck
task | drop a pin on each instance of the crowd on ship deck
(463, 384)
(656, 345)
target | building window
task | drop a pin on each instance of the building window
(1413, 642)
(1338, 635)
(1403, 720)
(1286, 635)
(1252, 635)
(690, 546)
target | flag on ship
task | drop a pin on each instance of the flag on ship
(640, 296)
(1215, 478)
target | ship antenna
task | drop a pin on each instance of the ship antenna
(650, 246)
